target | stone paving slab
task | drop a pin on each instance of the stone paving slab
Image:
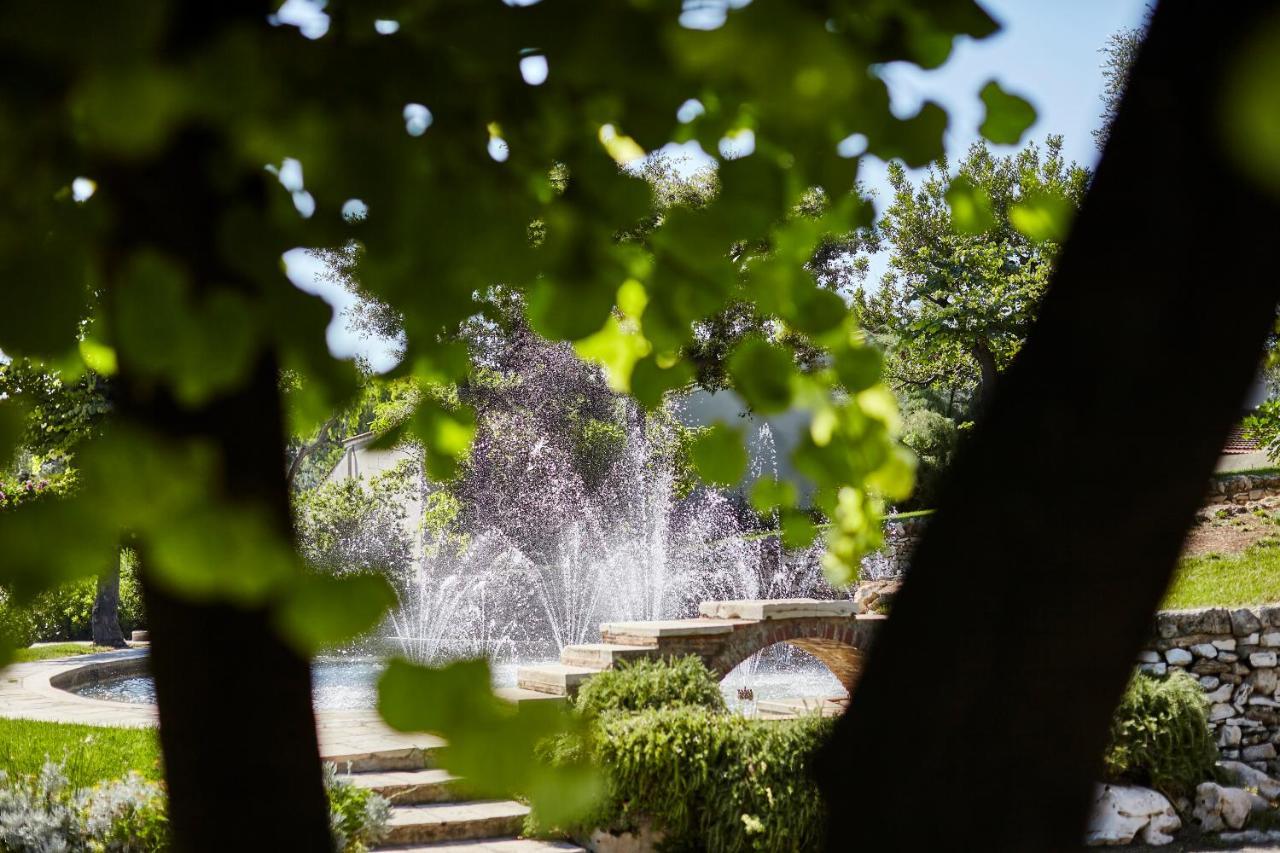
(495, 845)
(671, 627)
(465, 821)
(777, 608)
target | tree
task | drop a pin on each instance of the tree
(62, 412)
(968, 263)
(419, 114)
(1119, 54)
(1040, 622)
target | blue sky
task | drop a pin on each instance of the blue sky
(1048, 52)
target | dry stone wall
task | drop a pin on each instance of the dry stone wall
(1242, 488)
(1234, 654)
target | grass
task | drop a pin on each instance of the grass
(89, 754)
(1271, 469)
(1220, 580)
(56, 650)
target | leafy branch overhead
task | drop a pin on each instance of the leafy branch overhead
(207, 145)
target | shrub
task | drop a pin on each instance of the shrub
(44, 812)
(17, 628)
(709, 780)
(933, 438)
(672, 757)
(357, 816)
(65, 612)
(1160, 735)
(644, 684)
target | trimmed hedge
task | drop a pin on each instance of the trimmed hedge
(643, 684)
(710, 780)
(675, 759)
(1160, 735)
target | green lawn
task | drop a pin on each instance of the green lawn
(89, 753)
(1251, 577)
(56, 650)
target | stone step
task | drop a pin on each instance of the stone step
(780, 709)
(409, 758)
(519, 694)
(408, 787)
(602, 655)
(432, 822)
(554, 678)
(777, 608)
(492, 845)
(649, 633)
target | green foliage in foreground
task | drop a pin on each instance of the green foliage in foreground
(1160, 735)
(676, 760)
(1223, 580)
(89, 754)
(651, 684)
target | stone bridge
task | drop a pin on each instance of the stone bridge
(723, 636)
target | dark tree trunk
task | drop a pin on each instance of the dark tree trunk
(105, 619)
(987, 373)
(236, 724)
(995, 679)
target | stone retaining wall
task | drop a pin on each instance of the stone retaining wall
(1234, 654)
(1242, 488)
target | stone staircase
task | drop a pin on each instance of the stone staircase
(429, 814)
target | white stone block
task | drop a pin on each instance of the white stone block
(1178, 657)
(1204, 650)
(1262, 659)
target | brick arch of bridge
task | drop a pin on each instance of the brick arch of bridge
(839, 642)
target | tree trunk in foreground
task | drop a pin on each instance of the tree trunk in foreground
(237, 729)
(104, 621)
(236, 724)
(995, 679)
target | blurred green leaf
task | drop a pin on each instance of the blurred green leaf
(719, 455)
(761, 373)
(129, 110)
(327, 610)
(1250, 117)
(798, 530)
(770, 493)
(970, 207)
(649, 382)
(1008, 116)
(858, 367)
(490, 742)
(1042, 217)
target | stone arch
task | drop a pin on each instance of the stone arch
(841, 643)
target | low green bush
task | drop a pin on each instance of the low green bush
(645, 684)
(1160, 735)
(710, 780)
(357, 816)
(674, 759)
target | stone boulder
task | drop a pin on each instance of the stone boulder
(1121, 813)
(875, 596)
(1218, 807)
(1241, 775)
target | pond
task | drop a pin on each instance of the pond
(348, 684)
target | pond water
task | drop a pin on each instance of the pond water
(343, 683)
